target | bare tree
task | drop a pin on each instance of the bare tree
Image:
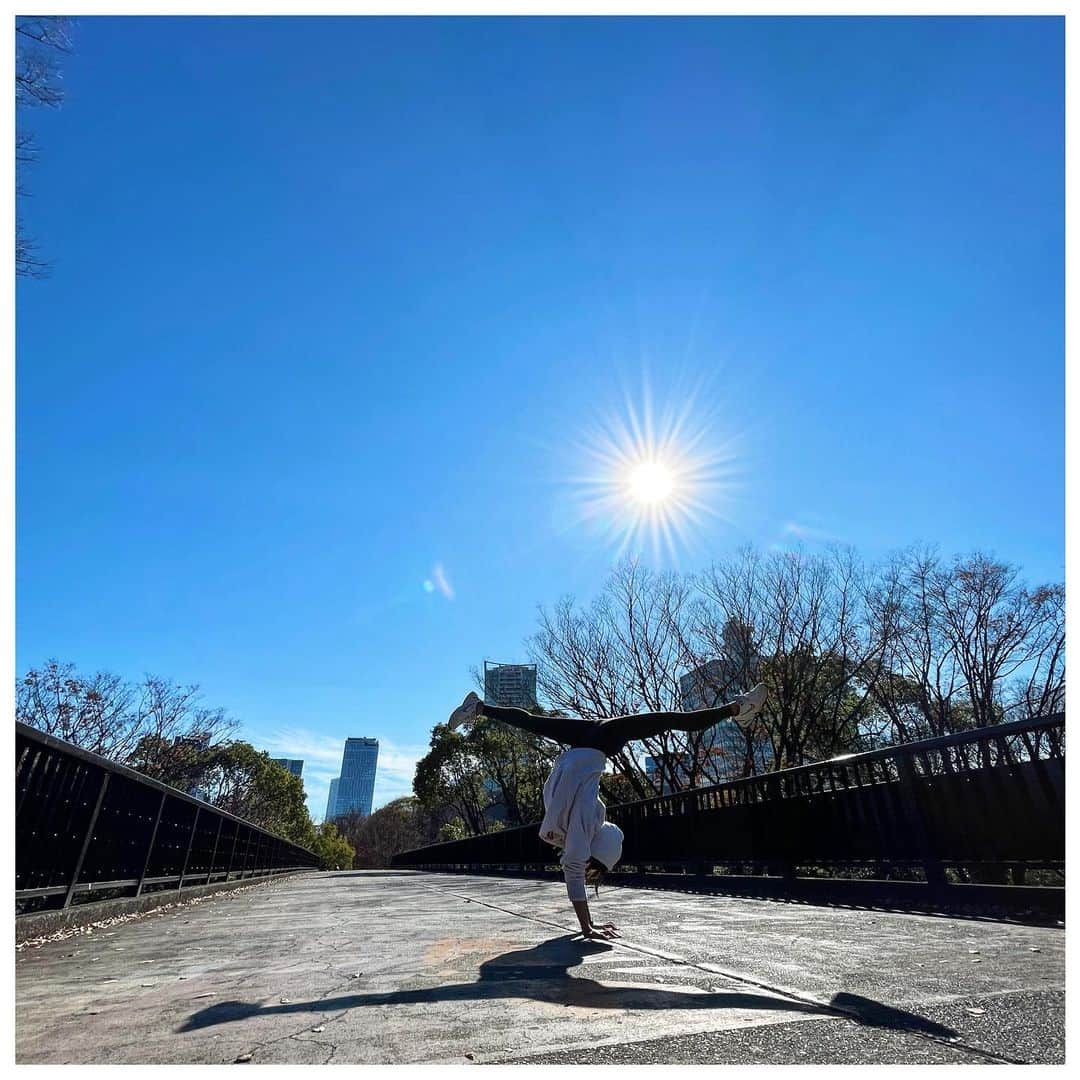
(967, 644)
(998, 630)
(1040, 691)
(623, 655)
(801, 623)
(116, 719)
(399, 826)
(40, 41)
(921, 686)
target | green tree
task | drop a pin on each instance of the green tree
(490, 775)
(448, 778)
(334, 851)
(234, 777)
(513, 765)
(453, 830)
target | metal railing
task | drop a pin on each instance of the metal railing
(86, 826)
(993, 797)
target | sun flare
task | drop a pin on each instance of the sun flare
(653, 479)
(651, 482)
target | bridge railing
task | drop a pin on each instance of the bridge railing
(87, 827)
(992, 798)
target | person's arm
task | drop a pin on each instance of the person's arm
(589, 929)
(575, 860)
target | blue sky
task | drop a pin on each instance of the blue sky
(336, 303)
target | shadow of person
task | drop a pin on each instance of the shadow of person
(878, 1014)
(542, 973)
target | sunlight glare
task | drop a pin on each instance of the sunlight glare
(651, 482)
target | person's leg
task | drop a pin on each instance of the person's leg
(619, 730)
(563, 729)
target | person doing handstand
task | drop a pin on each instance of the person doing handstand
(575, 819)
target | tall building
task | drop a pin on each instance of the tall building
(293, 765)
(331, 807)
(513, 685)
(196, 740)
(723, 746)
(356, 785)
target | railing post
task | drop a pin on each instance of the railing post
(698, 864)
(247, 852)
(191, 840)
(935, 872)
(232, 852)
(86, 839)
(150, 849)
(213, 858)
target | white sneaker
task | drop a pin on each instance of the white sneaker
(750, 703)
(466, 712)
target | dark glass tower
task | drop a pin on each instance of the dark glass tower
(356, 786)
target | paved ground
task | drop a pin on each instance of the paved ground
(385, 967)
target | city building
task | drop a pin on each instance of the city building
(722, 753)
(197, 740)
(331, 802)
(512, 685)
(296, 767)
(356, 785)
(496, 807)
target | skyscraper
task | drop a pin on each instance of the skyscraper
(356, 786)
(293, 765)
(512, 685)
(331, 808)
(723, 746)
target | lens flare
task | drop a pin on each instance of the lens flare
(655, 477)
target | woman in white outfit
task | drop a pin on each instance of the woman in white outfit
(574, 816)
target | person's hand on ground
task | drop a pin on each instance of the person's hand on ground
(600, 933)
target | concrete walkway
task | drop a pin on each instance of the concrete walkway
(392, 967)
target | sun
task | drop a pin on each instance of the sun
(651, 482)
(651, 479)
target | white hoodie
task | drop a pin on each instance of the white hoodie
(573, 812)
